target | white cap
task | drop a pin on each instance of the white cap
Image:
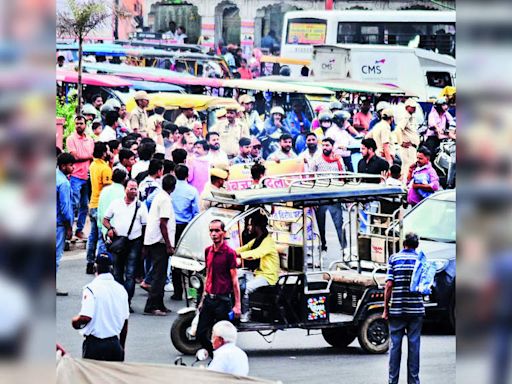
(277, 110)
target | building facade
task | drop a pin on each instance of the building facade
(245, 22)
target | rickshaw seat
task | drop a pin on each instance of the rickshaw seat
(352, 277)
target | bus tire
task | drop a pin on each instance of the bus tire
(339, 337)
(179, 335)
(373, 334)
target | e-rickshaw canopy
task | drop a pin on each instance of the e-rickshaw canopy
(107, 81)
(340, 85)
(312, 191)
(273, 86)
(177, 100)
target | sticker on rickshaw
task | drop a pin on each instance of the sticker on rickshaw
(316, 308)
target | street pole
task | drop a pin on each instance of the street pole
(116, 20)
(329, 5)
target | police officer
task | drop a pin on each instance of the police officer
(103, 318)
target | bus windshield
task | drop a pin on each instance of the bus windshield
(306, 31)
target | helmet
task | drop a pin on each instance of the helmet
(88, 109)
(382, 105)
(114, 103)
(440, 101)
(325, 116)
(339, 117)
(335, 105)
(279, 110)
(284, 71)
(106, 108)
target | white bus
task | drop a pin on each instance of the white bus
(431, 30)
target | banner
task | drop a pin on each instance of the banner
(306, 33)
(240, 174)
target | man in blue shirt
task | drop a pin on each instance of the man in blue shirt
(405, 311)
(185, 201)
(65, 214)
(299, 126)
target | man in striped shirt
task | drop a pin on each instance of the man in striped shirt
(405, 311)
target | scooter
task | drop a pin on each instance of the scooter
(201, 355)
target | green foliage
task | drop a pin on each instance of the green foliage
(67, 111)
(84, 16)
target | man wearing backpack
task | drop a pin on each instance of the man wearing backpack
(404, 310)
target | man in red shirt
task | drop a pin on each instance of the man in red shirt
(363, 117)
(220, 283)
(81, 147)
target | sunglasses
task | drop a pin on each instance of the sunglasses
(256, 146)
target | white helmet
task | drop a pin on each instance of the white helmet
(279, 110)
(382, 105)
(88, 109)
(114, 103)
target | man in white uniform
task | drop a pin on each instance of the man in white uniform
(103, 318)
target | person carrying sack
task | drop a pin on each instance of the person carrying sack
(404, 310)
(125, 221)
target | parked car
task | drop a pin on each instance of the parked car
(437, 234)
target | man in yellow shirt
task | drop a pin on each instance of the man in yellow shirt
(262, 248)
(101, 175)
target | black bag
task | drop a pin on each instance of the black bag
(119, 243)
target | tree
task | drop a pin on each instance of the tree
(81, 19)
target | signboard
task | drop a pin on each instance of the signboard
(306, 33)
(330, 62)
(240, 174)
(376, 67)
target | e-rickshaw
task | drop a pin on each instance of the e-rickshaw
(344, 300)
(193, 63)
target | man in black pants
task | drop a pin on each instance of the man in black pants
(159, 238)
(185, 201)
(103, 318)
(220, 283)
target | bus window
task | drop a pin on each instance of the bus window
(431, 36)
(306, 31)
(439, 79)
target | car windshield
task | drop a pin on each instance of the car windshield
(433, 220)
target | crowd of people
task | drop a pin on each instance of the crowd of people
(141, 179)
(111, 146)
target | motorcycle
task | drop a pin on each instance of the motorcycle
(445, 163)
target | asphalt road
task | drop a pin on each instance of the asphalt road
(292, 356)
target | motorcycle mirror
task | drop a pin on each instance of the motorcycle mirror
(202, 354)
(179, 361)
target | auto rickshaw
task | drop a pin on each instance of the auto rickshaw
(343, 300)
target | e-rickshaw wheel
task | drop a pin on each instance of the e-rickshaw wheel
(180, 337)
(373, 334)
(339, 337)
